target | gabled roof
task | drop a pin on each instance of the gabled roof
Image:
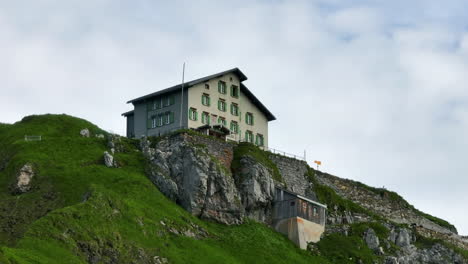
(189, 84)
(128, 113)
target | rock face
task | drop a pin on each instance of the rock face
(257, 189)
(371, 239)
(436, 254)
(23, 183)
(187, 172)
(85, 132)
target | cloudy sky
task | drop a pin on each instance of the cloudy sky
(376, 90)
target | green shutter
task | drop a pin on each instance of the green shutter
(172, 99)
(209, 100)
(232, 90)
(246, 119)
(252, 119)
(196, 115)
(219, 105)
(171, 117)
(149, 106)
(149, 124)
(202, 101)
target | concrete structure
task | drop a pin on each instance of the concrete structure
(299, 218)
(218, 99)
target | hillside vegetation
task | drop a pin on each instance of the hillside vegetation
(80, 211)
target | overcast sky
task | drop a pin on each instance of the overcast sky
(376, 90)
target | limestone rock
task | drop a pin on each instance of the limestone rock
(108, 160)
(404, 238)
(257, 189)
(192, 176)
(85, 132)
(371, 239)
(100, 136)
(189, 176)
(23, 183)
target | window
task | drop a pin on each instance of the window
(234, 127)
(222, 87)
(193, 115)
(259, 140)
(169, 118)
(249, 136)
(160, 120)
(222, 121)
(222, 105)
(205, 118)
(205, 99)
(315, 211)
(235, 91)
(249, 119)
(153, 122)
(155, 104)
(207, 86)
(234, 109)
(166, 101)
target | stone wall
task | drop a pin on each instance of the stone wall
(223, 151)
(293, 172)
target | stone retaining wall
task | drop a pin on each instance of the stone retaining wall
(293, 172)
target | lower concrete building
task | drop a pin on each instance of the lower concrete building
(301, 219)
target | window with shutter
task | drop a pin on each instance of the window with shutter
(171, 117)
(235, 91)
(222, 87)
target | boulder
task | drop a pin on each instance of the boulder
(371, 239)
(23, 183)
(108, 160)
(85, 132)
(404, 238)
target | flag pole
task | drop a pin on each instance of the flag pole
(182, 97)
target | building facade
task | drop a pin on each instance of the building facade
(217, 100)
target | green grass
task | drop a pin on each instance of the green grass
(247, 149)
(339, 248)
(79, 208)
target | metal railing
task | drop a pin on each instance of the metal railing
(283, 153)
(32, 138)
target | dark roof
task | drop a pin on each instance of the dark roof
(189, 84)
(301, 197)
(128, 113)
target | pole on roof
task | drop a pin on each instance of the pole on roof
(182, 97)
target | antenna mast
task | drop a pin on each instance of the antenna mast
(182, 97)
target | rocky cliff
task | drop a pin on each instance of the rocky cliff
(229, 183)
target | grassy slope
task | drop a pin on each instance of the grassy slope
(78, 205)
